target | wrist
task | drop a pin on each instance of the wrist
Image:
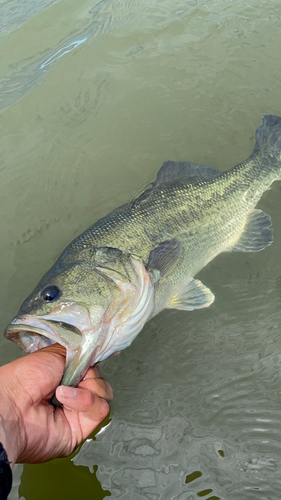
(6, 477)
(11, 429)
(10, 437)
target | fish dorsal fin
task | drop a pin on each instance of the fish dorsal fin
(257, 233)
(195, 295)
(184, 171)
(164, 257)
(268, 135)
(180, 172)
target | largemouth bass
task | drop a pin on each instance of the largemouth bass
(142, 257)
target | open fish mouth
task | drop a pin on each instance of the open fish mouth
(66, 325)
(33, 337)
(32, 332)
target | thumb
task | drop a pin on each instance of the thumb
(55, 349)
(92, 407)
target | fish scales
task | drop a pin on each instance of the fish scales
(144, 256)
(180, 205)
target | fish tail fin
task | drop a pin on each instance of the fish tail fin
(268, 137)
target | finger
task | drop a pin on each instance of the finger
(82, 400)
(92, 373)
(98, 371)
(98, 387)
(54, 349)
(39, 373)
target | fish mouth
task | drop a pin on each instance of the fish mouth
(31, 338)
(31, 332)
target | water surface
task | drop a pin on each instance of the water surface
(94, 97)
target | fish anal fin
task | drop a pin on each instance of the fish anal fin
(165, 257)
(257, 234)
(195, 295)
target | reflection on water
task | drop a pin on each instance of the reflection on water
(94, 97)
(106, 16)
(15, 13)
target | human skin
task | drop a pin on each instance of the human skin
(32, 430)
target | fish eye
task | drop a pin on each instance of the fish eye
(50, 293)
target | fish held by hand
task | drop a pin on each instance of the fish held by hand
(142, 257)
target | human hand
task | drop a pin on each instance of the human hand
(32, 430)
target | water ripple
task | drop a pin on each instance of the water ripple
(14, 13)
(200, 417)
(106, 16)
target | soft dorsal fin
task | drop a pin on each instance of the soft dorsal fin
(184, 171)
(268, 135)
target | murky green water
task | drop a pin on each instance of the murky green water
(93, 98)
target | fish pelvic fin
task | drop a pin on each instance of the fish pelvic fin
(195, 295)
(268, 136)
(257, 233)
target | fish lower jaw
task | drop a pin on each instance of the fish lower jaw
(79, 360)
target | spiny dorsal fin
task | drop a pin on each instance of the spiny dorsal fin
(177, 172)
(165, 257)
(195, 295)
(184, 171)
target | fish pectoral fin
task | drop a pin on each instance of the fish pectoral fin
(195, 295)
(164, 257)
(257, 234)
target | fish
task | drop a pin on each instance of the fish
(144, 256)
